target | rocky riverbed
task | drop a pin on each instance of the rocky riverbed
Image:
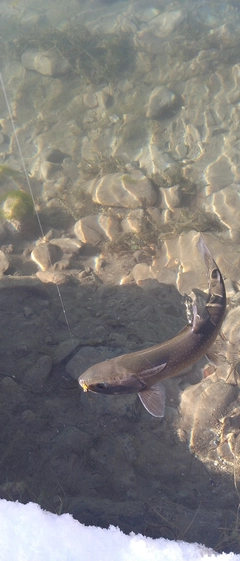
(119, 128)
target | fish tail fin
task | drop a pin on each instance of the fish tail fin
(215, 304)
(206, 255)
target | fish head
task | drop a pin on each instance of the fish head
(110, 378)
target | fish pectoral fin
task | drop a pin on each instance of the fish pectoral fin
(151, 371)
(153, 399)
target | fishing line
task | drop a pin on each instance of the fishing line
(33, 200)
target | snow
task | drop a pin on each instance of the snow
(28, 533)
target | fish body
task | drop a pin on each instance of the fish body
(141, 372)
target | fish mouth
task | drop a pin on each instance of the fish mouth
(84, 386)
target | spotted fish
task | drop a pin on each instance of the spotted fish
(141, 372)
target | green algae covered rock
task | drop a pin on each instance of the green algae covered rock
(17, 205)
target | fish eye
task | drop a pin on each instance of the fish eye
(102, 385)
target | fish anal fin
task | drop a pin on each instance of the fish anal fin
(153, 399)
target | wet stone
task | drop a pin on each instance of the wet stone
(64, 349)
(227, 35)
(140, 256)
(48, 63)
(45, 255)
(124, 190)
(143, 14)
(170, 197)
(226, 204)
(12, 392)
(231, 336)
(155, 161)
(160, 101)
(126, 25)
(53, 233)
(61, 265)
(71, 439)
(166, 23)
(229, 287)
(219, 175)
(50, 170)
(94, 228)
(55, 277)
(133, 222)
(32, 20)
(117, 340)
(201, 407)
(141, 272)
(35, 378)
(28, 416)
(148, 41)
(67, 245)
(104, 98)
(90, 100)
(125, 86)
(28, 312)
(4, 263)
(156, 215)
(129, 447)
(21, 350)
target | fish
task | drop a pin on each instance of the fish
(142, 371)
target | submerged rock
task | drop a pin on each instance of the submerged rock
(133, 221)
(36, 376)
(17, 206)
(4, 263)
(50, 170)
(166, 23)
(201, 406)
(170, 197)
(67, 245)
(45, 255)
(90, 100)
(219, 174)
(226, 204)
(124, 190)
(155, 161)
(141, 272)
(64, 349)
(160, 101)
(48, 63)
(94, 228)
(50, 276)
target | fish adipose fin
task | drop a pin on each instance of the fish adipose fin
(153, 399)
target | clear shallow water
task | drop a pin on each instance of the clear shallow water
(128, 122)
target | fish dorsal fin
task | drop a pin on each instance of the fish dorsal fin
(152, 371)
(153, 399)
